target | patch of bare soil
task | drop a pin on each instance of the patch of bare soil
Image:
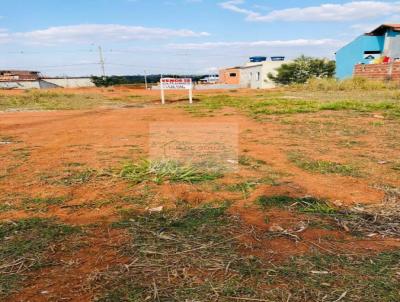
(75, 271)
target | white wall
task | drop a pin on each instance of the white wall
(20, 85)
(392, 47)
(270, 67)
(249, 77)
(71, 82)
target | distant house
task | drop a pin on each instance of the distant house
(253, 74)
(23, 79)
(19, 75)
(378, 46)
(26, 79)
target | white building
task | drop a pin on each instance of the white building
(255, 75)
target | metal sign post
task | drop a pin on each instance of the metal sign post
(176, 84)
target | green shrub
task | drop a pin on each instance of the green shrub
(303, 69)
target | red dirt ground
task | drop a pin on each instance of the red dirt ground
(102, 138)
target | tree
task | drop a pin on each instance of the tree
(303, 69)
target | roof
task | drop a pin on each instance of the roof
(16, 72)
(383, 28)
(252, 66)
(230, 68)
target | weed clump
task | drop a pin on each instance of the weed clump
(322, 166)
(162, 171)
(305, 204)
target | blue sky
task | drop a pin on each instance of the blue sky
(60, 37)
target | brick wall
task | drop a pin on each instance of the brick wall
(384, 71)
(226, 76)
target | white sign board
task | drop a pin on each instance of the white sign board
(176, 84)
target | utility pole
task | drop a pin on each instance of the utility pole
(145, 79)
(102, 63)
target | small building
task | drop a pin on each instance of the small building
(256, 75)
(23, 79)
(19, 75)
(26, 79)
(370, 48)
(230, 76)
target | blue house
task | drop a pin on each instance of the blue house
(383, 41)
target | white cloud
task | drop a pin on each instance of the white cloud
(88, 33)
(234, 5)
(255, 44)
(4, 35)
(361, 28)
(355, 10)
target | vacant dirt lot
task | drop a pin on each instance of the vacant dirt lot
(311, 215)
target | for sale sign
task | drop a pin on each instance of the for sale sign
(176, 84)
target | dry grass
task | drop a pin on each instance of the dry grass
(47, 100)
(355, 84)
(194, 255)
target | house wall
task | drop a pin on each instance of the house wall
(251, 77)
(225, 76)
(249, 74)
(353, 53)
(271, 67)
(384, 71)
(392, 44)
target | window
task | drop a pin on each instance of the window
(258, 76)
(372, 52)
(232, 74)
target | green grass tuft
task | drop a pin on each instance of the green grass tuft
(322, 166)
(306, 204)
(40, 204)
(162, 171)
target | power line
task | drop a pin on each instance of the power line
(116, 51)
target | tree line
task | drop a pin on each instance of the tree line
(137, 79)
